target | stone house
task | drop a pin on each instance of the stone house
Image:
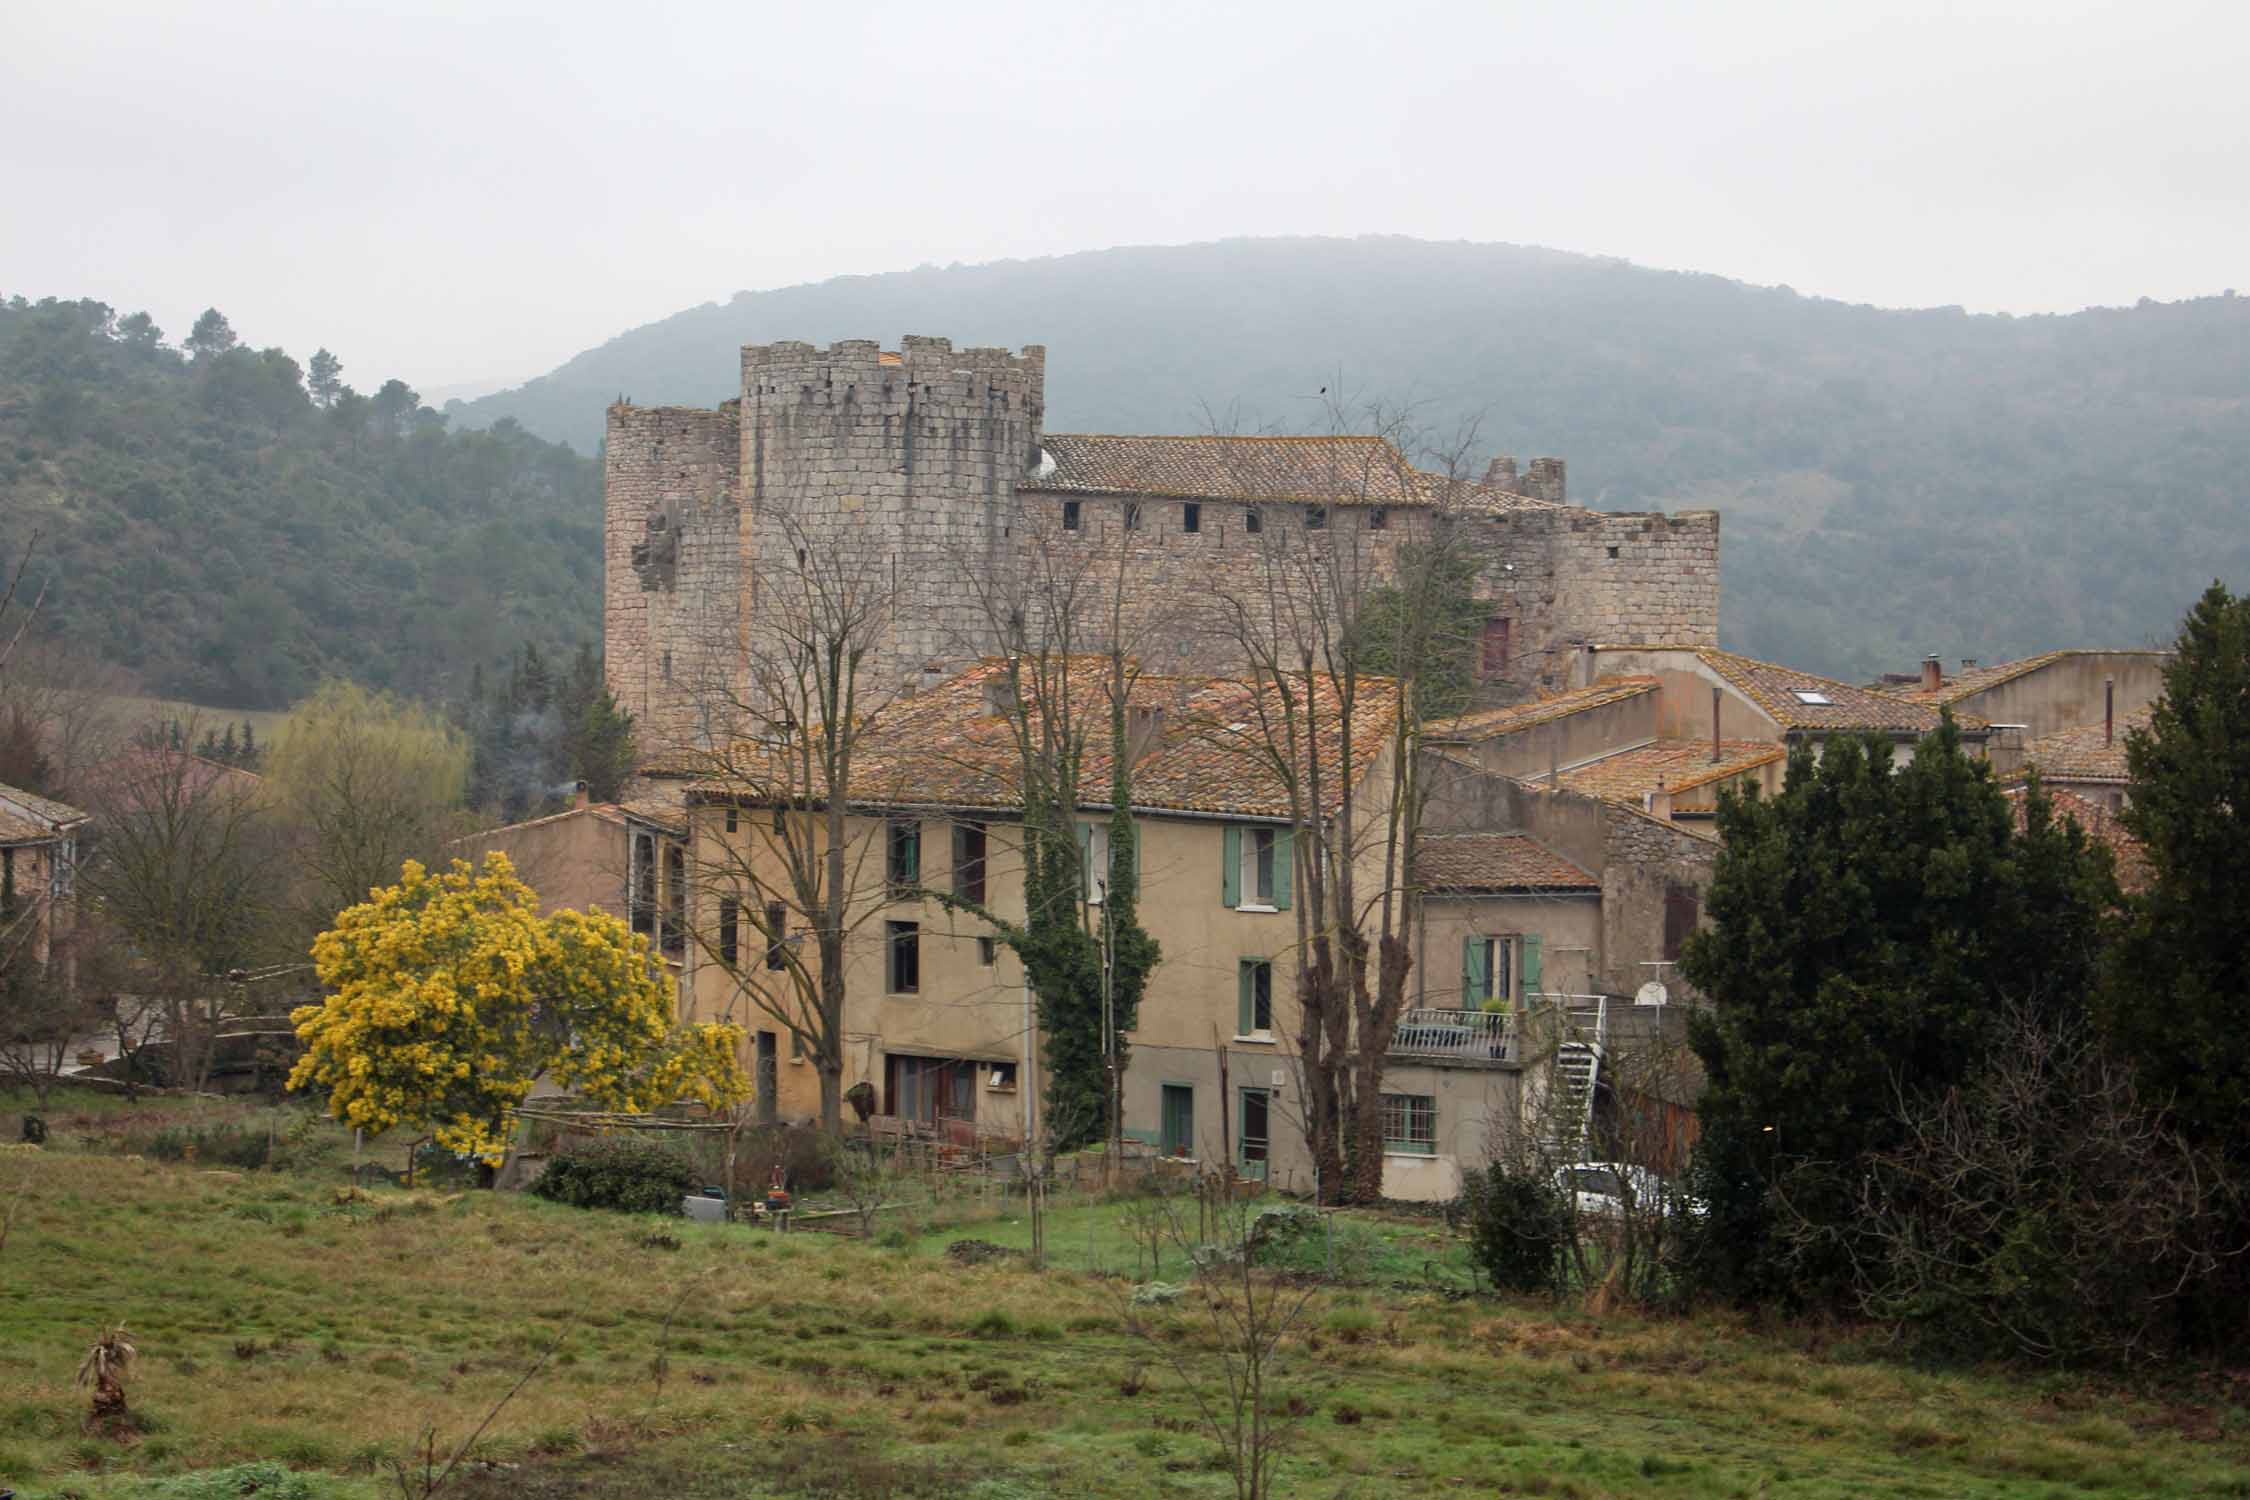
(39, 853)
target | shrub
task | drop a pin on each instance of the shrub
(628, 1175)
(1519, 1226)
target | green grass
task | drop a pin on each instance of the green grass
(278, 1325)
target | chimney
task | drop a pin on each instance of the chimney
(1544, 480)
(933, 673)
(2109, 710)
(579, 796)
(1933, 673)
(1143, 728)
(1658, 804)
(999, 694)
(1593, 665)
(1968, 664)
(1716, 755)
(1501, 473)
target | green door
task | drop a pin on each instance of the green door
(1178, 1120)
(1254, 1142)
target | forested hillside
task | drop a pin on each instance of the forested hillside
(201, 517)
(1894, 482)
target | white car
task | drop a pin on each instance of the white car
(1607, 1189)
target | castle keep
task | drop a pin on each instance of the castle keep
(930, 466)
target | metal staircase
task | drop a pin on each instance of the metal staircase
(1579, 1048)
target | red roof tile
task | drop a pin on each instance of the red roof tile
(1490, 723)
(1327, 470)
(1495, 862)
(1210, 753)
(1677, 765)
(1783, 692)
(2087, 753)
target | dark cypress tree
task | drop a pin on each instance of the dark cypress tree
(1865, 925)
(2179, 980)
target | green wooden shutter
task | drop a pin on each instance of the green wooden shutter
(1086, 861)
(1230, 867)
(1530, 962)
(1476, 980)
(1138, 831)
(1284, 866)
(1242, 999)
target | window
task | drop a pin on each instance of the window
(968, 861)
(1410, 1123)
(902, 862)
(1379, 519)
(777, 933)
(1191, 517)
(1093, 847)
(640, 894)
(796, 1048)
(1252, 522)
(1070, 515)
(1256, 873)
(667, 666)
(1176, 1119)
(1812, 699)
(904, 940)
(675, 899)
(1682, 909)
(1132, 515)
(1613, 552)
(1001, 1077)
(1254, 1141)
(1316, 518)
(1495, 971)
(931, 1088)
(988, 951)
(734, 824)
(730, 931)
(1254, 998)
(1494, 661)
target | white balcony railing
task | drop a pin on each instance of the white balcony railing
(1456, 1035)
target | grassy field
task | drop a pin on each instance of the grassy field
(277, 1322)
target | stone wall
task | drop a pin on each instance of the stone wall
(1647, 864)
(910, 478)
(897, 474)
(672, 563)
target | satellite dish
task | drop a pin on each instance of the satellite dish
(1652, 993)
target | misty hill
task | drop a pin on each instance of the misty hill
(1894, 482)
(205, 523)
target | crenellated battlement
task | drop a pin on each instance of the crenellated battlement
(915, 475)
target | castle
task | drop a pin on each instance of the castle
(929, 465)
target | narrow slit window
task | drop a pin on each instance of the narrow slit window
(1191, 518)
(1070, 515)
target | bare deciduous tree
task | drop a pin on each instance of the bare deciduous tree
(183, 862)
(784, 740)
(1338, 696)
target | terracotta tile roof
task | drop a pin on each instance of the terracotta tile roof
(1782, 693)
(1678, 764)
(1340, 470)
(667, 812)
(1976, 679)
(2081, 755)
(949, 747)
(28, 818)
(1490, 723)
(2102, 826)
(1495, 862)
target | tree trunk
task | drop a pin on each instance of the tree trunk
(1378, 1024)
(831, 1097)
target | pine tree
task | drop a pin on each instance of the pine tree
(1865, 926)
(2180, 973)
(251, 754)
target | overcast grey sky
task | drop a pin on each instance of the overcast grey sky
(462, 193)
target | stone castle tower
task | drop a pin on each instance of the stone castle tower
(921, 474)
(899, 468)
